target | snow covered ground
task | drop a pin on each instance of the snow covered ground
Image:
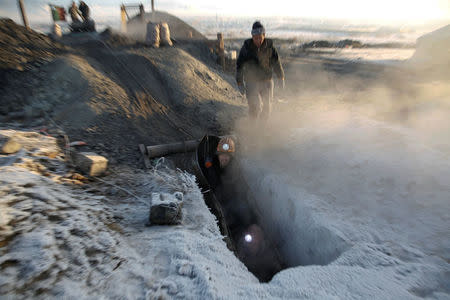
(366, 217)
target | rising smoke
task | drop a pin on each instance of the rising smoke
(360, 156)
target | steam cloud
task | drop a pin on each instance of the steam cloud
(353, 158)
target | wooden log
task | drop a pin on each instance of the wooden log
(24, 15)
(221, 49)
(142, 12)
(123, 17)
(162, 150)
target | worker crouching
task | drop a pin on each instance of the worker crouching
(225, 150)
(218, 154)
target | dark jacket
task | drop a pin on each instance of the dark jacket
(256, 64)
(84, 10)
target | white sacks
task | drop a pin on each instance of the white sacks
(158, 34)
(152, 38)
(165, 34)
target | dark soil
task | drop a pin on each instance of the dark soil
(113, 92)
(19, 47)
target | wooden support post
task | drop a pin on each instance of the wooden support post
(123, 17)
(221, 49)
(142, 12)
(57, 32)
(143, 150)
(153, 5)
(24, 15)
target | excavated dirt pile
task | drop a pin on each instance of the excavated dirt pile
(113, 93)
(20, 47)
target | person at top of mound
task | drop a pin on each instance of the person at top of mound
(85, 12)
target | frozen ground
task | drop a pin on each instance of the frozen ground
(358, 205)
(62, 241)
(366, 217)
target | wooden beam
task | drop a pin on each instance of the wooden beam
(162, 150)
(123, 17)
(142, 12)
(221, 49)
(24, 15)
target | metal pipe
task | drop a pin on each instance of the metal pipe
(165, 149)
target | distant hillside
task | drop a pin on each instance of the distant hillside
(178, 28)
(432, 50)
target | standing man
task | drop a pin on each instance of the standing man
(85, 13)
(257, 60)
(74, 13)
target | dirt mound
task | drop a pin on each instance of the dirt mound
(116, 39)
(115, 98)
(19, 46)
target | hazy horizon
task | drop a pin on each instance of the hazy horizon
(211, 18)
(382, 12)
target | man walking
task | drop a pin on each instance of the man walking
(257, 61)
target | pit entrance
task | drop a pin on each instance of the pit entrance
(268, 228)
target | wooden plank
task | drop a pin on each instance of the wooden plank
(143, 150)
(24, 15)
(166, 149)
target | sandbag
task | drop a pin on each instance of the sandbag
(165, 34)
(152, 38)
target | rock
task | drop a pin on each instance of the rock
(186, 269)
(8, 145)
(165, 208)
(90, 163)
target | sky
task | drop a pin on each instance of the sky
(412, 11)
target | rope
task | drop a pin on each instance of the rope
(144, 89)
(120, 188)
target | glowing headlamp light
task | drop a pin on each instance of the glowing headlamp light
(226, 147)
(248, 238)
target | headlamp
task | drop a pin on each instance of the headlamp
(248, 238)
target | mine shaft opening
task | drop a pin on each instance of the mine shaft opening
(245, 236)
(265, 239)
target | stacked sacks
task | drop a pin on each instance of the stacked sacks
(165, 34)
(153, 38)
(158, 34)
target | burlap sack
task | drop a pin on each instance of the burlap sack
(152, 38)
(165, 34)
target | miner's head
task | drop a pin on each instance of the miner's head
(258, 33)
